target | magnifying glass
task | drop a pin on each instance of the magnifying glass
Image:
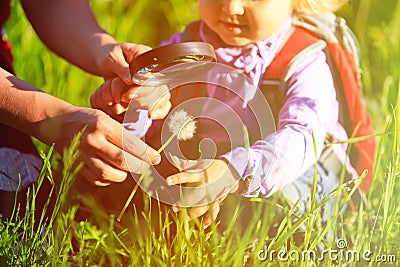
(170, 62)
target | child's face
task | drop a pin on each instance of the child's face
(240, 22)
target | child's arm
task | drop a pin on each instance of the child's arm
(309, 111)
(115, 97)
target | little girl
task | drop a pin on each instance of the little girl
(246, 35)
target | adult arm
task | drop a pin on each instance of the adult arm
(52, 120)
(69, 28)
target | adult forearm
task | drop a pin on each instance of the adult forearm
(69, 28)
(25, 107)
(104, 147)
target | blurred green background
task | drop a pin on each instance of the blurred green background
(376, 25)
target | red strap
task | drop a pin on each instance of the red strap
(357, 112)
(301, 39)
(298, 40)
(6, 58)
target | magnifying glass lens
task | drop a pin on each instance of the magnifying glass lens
(161, 64)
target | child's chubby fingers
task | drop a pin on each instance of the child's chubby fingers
(161, 104)
(192, 212)
(107, 96)
(118, 87)
(114, 95)
(196, 212)
(141, 93)
(161, 108)
(120, 108)
(185, 177)
(130, 94)
(106, 92)
(152, 98)
(94, 99)
(211, 215)
(208, 212)
(100, 99)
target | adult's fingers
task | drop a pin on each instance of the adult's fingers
(115, 65)
(86, 173)
(130, 50)
(131, 144)
(100, 173)
(125, 55)
(108, 140)
(134, 161)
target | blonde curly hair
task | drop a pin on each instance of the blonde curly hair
(317, 6)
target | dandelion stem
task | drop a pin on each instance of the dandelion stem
(180, 122)
(128, 201)
(166, 143)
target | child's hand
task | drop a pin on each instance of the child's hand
(211, 181)
(114, 96)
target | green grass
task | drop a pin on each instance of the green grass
(148, 240)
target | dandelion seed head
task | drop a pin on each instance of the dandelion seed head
(182, 125)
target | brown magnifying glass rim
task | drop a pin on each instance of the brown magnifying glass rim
(164, 55)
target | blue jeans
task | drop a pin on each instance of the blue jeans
(298, 191)
(18, 172)
(18, 169)
(19, 159)
(20, 165)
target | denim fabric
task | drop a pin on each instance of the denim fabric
(18, 169)
(300, 190)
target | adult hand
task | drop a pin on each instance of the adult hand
(211, 180)
(114, 97)
(105, 146)
(113, 60)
